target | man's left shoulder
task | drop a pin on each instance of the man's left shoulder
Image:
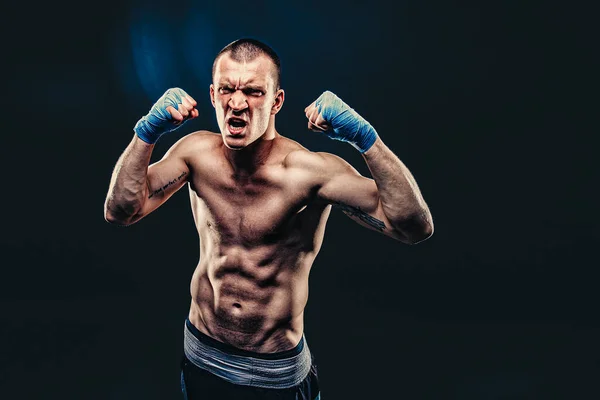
(315, 160)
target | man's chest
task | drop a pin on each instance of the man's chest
(260, 207)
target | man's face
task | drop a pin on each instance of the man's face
(245, 99)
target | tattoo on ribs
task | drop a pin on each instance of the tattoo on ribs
(363, 216)
(161, 189)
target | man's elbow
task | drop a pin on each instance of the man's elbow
(114, 220)
(122, 213)
(118, 218)
(416, 229)
(424, 232)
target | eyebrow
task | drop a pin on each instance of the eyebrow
(253, 86)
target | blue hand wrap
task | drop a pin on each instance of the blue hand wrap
(348, 125)
(159, 121)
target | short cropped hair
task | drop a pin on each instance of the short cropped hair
(247, 49)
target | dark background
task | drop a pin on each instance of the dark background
(484, 102)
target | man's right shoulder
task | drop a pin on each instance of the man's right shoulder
(199, 141)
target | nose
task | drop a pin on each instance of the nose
(237, 101)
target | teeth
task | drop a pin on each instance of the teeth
(236, 128)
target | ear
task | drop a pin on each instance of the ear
(278, 103)
(212, 94)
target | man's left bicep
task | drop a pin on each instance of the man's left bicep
(357, 197)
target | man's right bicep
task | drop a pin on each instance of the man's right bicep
(165, 177)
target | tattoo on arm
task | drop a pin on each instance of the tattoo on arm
(363, 216)
(161, 189)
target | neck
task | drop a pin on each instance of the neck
(247, 160)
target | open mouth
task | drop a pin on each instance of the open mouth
(236, 125)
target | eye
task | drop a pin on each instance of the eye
(225, 90)
(254, 92)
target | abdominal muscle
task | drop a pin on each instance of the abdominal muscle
(253, 299)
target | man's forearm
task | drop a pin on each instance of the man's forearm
(399, 193)
(128, 184)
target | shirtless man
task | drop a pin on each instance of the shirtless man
(260, 202)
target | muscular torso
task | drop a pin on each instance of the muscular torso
(259, 235)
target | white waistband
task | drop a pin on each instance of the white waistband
(249, 371)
